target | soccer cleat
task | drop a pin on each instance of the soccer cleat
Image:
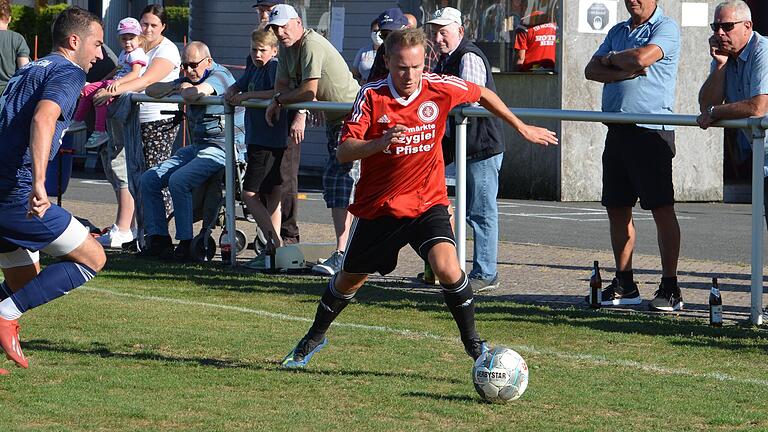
(302, 353)
(667, 299)
(330, 266)
(9, 340)
(618, 295)
(475, 348)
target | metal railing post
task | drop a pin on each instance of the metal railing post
(461, 189)
(758, 158)
(229, 173)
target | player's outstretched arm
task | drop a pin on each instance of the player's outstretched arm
(41, 134)
(353, 149)
(534, 134)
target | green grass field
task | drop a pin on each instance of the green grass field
(151, 347)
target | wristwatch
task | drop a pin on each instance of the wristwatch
(711, 111)
(275, 98)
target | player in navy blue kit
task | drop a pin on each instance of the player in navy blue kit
(35, 110)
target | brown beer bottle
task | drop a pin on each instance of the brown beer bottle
(715, 305)
(595, 287)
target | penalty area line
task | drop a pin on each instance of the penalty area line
(587, 358)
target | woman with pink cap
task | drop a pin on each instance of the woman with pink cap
(131, 64)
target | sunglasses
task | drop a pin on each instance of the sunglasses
(726, 26)
(193, 65)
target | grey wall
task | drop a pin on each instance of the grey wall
(697, 168)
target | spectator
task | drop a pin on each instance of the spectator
(391, 20)
(192, 165)
(485, 144)
(266, 144)
(535, 45)
(737, 86)
(158, 131)
(361, 65)
(264, 7)
(131, 63)
(637, 62)
(310, 68)
(14, 52)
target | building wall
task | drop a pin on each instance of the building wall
(697, 167)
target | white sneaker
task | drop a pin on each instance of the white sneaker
(330, 266)
(115, 238)
(96, 140)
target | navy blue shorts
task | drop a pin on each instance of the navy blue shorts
(57, 233)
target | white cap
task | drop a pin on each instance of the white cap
(446, 16)
(281, 14)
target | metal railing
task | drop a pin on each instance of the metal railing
(756, 125)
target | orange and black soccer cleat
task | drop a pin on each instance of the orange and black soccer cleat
(9, 340)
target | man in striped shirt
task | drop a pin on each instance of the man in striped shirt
(395, 130)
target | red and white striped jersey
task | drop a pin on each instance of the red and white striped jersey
(408, 178)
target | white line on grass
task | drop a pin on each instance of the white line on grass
(589, 358)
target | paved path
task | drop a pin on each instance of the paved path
(550, 275)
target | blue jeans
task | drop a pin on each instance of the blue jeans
(483, 214)
(187, 169)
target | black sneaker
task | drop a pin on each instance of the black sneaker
(475, 347)
(667, 299)
(182, 253)
(156, 246)
(618, 295)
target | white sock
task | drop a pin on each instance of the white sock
(8, 310)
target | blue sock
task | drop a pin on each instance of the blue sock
(53, 282)
(5, 291)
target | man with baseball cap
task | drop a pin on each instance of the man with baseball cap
(485, 145)
(389, 21)
(264, 7)
(310, 68)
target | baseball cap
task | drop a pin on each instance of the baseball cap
(392, 19)
(268, 3)
(129, 26)
(281, 14)
(446, 16)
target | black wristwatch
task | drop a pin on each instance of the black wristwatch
(276, 97)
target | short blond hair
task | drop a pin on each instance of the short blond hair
(405, 38)
(264, 37)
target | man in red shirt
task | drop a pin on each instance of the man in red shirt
(395, 129)
(535, 47)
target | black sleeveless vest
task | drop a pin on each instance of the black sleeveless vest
(484, 137)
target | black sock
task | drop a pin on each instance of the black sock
(5, 291)
(669, 282)
(331, 304)
(458, 298)
(625, 277)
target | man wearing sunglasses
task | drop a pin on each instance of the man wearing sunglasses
(192, 165)
(737, 86)
(637, 63)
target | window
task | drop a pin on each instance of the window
(499, 26)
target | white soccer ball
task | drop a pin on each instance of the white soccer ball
(500, 375)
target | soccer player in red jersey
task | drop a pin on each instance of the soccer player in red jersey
(395, 129)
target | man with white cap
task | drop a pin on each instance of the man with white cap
(485, 145)
(310, 68)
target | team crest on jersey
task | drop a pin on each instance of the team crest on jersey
(428, 111)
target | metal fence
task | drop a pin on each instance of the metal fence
(756, 126)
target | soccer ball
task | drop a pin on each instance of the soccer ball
(500, 375)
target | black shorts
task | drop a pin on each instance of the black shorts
(374, 244)
(263, 172)
(637, 163)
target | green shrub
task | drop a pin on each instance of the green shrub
(23, 22)
(44, 20)
(178, 23)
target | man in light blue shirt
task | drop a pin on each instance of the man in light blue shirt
(737, 85)
(637, 62)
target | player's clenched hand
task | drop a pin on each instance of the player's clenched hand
(538, 135)
(392, 136)
(38, 200)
